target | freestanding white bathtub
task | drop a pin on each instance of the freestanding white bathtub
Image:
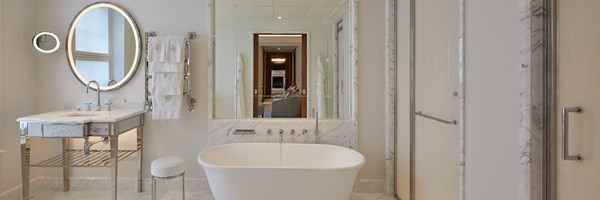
(257, 171)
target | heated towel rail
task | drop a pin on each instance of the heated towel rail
(187, 86)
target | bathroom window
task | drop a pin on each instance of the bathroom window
(94, 70)
(93, 32)
(100, 45)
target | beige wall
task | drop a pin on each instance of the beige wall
(18, 86)
(46, 83)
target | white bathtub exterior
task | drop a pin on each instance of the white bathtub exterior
(253, 171)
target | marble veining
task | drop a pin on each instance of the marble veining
(390, 100)
(461, 100)
(533, 14)
(47, 188)
(162, 195)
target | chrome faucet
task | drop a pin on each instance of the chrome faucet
(317, 128)
(280, 135)
(87, 90)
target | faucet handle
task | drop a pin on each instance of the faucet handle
(269, 131)
(108, 106)
(280, 132)
(304, 131)
(88, 106)
(292, 132)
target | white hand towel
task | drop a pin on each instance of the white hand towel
(167, 83)
(174, 50)
(156, 49)
(164, 67)
(166, 106)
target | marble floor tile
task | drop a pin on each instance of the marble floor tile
(169, 195)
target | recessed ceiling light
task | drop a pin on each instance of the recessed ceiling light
(280, 17)
(278, 60)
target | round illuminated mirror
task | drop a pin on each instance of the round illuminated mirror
(103, 44)
(46, 42)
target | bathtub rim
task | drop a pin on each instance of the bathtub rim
(251, 167)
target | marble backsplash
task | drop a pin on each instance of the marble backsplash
(335, 132)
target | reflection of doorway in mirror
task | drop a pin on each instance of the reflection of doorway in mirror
(280, 66)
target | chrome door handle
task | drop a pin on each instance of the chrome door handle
(565, 129)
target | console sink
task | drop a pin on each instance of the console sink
(74, 123)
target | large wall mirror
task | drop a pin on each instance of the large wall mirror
(284, 59)
(104, 44)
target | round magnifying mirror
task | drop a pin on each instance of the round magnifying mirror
(103, 44)
(46, 42)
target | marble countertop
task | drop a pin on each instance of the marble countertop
(80, 117)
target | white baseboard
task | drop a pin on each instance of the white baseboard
(104, 183)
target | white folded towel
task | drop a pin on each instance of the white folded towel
(167, 83)
(174, 50)
(156, 49)
(164, 67)
(165, 64)
(166, 106)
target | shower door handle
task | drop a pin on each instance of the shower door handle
(565, 129)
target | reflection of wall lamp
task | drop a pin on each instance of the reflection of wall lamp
(278, 60)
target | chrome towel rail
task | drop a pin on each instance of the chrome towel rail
(419, 113)
(187, 85)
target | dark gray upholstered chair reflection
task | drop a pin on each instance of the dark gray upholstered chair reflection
(289, 107)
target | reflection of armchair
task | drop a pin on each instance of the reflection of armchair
(288, 107)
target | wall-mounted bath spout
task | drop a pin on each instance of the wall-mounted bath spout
(87, 90)
(244, 132)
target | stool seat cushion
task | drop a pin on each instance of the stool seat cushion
(167, 166)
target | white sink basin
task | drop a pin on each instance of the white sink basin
(82, 114)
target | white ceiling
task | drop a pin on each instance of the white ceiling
(291, 10)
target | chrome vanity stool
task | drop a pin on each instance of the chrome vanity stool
(168, 167)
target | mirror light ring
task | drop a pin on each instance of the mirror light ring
(137, 37)
(46, 33)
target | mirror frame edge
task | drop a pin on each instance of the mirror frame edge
(353, 15)
(137, 36)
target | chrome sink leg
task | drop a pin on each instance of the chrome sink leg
(65, 147)
(25, 148)
(114, 159)
(140, 132)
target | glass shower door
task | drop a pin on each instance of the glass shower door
(578, 99)
(436, 100)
